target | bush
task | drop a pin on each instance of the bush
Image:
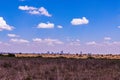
(1, 55)
(61, 57)
(11, 55)
(90, 57)
(39, 56)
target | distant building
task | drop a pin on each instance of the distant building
(61, 52)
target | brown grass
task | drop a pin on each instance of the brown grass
(77, 56)
(14, 68)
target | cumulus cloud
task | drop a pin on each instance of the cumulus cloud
(59, 26)
(43, 11)
(12, 35)
(37, 40)
(107, 38)
(91, 43)
(48, 41)
(27, 8)
(79, 21)
(35, 11)
(45, 25)
(19, 40)
(4, 25)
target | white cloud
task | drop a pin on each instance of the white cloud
(48, 41)
(19, 40)
(112, 43)
(45, 25)
(0, 42)
(79, 21)
(26, 8)
(75, 43)
(107, 38)
(91, 43)
(37, 40)
(119, 27)
(59, 26)
(43, 11)
(53, 41)
(35, 11)
(4, 25)
(12, 35)
(116, 42)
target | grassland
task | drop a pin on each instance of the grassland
(76, 56)
(58, 68)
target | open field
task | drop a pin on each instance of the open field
(77, 56)
(14, 68)
(65, 55)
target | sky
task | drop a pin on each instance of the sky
(37, 26)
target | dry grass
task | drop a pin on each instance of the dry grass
(77, 56)
(14, 68)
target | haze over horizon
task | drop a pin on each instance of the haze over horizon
(55, 25)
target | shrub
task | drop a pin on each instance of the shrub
(11, 55)
(61, 57)
(90, 57)
(1, 55)
(39, 56)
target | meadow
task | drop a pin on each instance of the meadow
(58, 68)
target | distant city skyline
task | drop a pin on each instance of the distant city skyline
(59, 25)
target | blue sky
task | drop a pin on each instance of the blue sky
(55, 25)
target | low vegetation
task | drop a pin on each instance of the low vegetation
(39, 68)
